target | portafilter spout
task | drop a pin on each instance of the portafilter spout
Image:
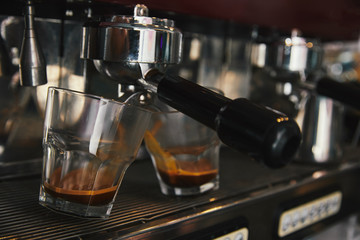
(136, 49)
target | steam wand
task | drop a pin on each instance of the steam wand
(32, 62)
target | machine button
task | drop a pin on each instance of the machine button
(304, 215)
(326, 206)
(314, 211)
(239, 236)
(322, 208)
(335, 203)
(295, 218)
(286, 222)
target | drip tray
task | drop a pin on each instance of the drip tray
(139, 199)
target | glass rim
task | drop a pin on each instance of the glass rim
(100, 98)
(167, 112)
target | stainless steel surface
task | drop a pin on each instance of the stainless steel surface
(22, 108)
(60, 41)
(20, 127)
(320, 120)
(260, 55)
(291, 53)
(211, 61)
(236, 71)
(293, 65)
(32, 62)
(347, 229)
(296, 53)
(6, 66)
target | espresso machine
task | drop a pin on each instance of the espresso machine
(302, 89)
(115, 49)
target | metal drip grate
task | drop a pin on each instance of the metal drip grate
(23, 218)
(139, 200)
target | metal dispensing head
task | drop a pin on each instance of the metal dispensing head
(297, 53)
(293, 53)
(126, 47)
(32, 62)
(136, 49)
(297, 60)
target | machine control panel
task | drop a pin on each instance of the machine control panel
(311, 212)
(240, 234)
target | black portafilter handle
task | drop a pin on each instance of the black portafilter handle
(344, 92)
(242, 125)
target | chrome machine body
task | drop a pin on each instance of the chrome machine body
(111, 49)
(295, 63)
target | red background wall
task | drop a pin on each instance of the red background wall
(336, 19)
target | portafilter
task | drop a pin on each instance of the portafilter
(296, 54)
(135, 50)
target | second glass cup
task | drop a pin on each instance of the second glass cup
(88, 144)
(184, 152)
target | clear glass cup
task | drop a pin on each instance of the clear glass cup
(184, 152)
(88, 144)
